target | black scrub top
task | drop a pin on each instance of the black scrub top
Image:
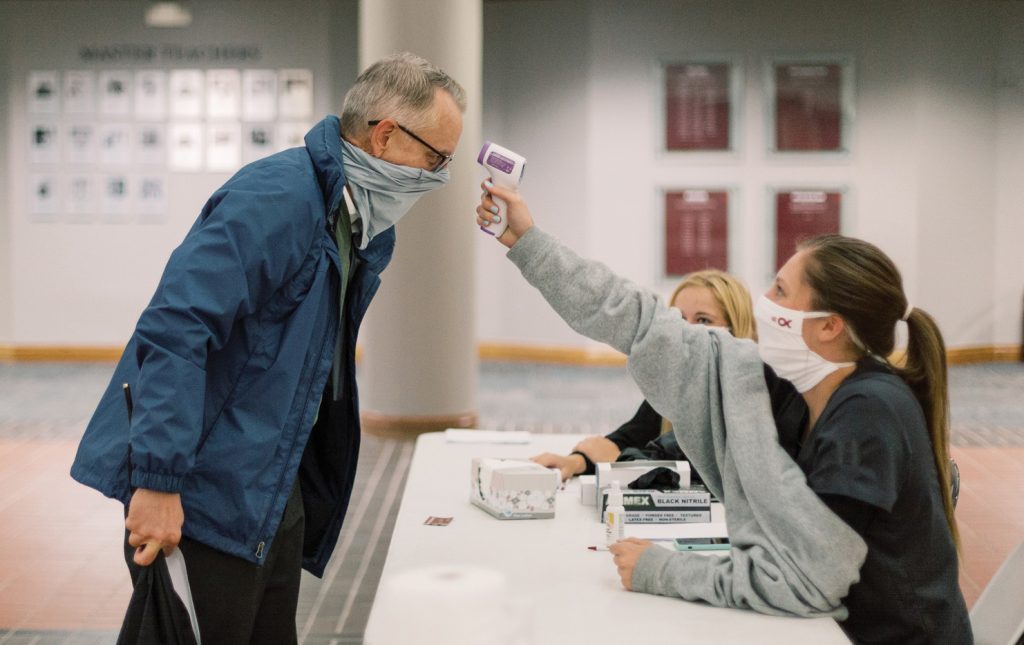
(870, 459)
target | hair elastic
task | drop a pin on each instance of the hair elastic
(906, 314)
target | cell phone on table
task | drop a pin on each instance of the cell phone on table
(702, 544)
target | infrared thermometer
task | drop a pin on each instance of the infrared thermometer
(506, 170)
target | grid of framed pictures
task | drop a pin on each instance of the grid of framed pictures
(808, 109)
(102, 142)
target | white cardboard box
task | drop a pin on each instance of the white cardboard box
(513, 489)
(625, 472)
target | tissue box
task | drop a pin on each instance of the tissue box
(513, 489)
(663, 506)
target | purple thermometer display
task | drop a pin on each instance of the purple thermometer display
(506, 169)
(498, 162)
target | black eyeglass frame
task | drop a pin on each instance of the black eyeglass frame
(445, 159)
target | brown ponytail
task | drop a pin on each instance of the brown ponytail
(924, 370)
(856, 280)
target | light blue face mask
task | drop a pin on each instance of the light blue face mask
(383, 191)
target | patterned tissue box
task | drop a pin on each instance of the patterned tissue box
(513, 489)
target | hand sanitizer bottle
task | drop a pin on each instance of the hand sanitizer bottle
(614, 516)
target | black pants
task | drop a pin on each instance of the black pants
(237, 601)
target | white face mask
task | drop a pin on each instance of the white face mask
(780, 342)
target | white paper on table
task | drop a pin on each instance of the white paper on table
(457, 435)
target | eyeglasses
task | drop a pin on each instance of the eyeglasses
(444, 159)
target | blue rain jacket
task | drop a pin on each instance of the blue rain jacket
(229, 363)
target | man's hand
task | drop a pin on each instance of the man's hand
(568, 465)
(599, 449)
(519, 218)
(626, 553)
(154, 522)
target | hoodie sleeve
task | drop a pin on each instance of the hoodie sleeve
(703, 380)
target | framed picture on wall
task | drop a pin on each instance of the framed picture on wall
(80, 143)
(696, 230)
(79, 92)
(151, 94)
(79, 197)
(186, 92)
(115, 92)
(295, 93)
(151, 198)
(43, 92)
(700, 99)
(223, 93)
(259, 94)
(802, 214)
(44, 146)
(810, 104)
(45, 198)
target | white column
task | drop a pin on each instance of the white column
(419, 359)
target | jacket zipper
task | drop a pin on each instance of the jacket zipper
(262, 543)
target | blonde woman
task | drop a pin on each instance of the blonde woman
(710, 297)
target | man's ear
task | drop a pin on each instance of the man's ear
(380, 136)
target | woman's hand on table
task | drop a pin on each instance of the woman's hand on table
(626, 553)
(568, 465)
(599, 449)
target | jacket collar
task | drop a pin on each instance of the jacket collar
(323, 144)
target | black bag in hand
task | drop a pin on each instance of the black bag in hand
(156, 615)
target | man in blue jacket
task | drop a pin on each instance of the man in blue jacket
(240, 440)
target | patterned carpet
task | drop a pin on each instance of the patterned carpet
(54, 401)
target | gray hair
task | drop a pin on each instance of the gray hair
(399, 87)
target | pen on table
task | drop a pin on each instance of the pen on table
(605, 547)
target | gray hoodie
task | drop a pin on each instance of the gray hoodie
(790, 554)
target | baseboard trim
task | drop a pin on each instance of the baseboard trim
(590, 357)
(59, 353)
(984, 354)
(548, 354)
(393, 426)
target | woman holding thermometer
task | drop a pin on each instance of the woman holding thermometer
(842, 510)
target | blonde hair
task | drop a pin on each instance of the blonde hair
(731, 296)
(734, 299)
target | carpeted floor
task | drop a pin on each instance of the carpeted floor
(44, 407)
